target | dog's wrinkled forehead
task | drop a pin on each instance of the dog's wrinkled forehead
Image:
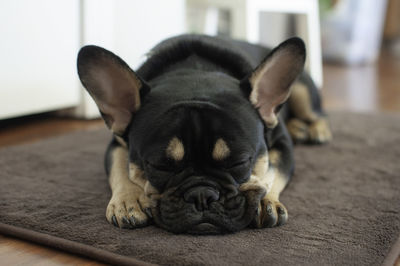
(198, 131)
(200, 134)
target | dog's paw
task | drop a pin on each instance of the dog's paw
(320, 131)
(317, 132)
(298, 130)
(270, 213)
(127, 210)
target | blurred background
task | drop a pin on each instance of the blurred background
(353, 47)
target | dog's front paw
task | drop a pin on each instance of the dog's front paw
(270, 213)
(320, 131)
(126, 209)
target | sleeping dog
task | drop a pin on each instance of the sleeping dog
(203, 131)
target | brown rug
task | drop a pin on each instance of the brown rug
(343, 202)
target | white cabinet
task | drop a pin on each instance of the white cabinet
(38, 44)
(129, 28)
(40, 39)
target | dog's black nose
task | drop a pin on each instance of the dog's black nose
(201, 196)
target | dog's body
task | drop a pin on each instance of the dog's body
(197, 144)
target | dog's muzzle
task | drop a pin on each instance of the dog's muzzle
(201, 196)
(206, 207)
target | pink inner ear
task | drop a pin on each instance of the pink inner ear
(115, 90)
(119, 88)
(271, 83)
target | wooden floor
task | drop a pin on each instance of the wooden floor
(361, 89)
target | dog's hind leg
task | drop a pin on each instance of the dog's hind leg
(307, 122)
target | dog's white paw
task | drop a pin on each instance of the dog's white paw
(128, 208)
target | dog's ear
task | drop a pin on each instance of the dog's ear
(112, 84)
(270, 82)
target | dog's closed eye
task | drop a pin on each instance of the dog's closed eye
(158, 166)
(169, 166)
(241, 163)
(236, 164)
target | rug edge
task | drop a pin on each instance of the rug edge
(394, 254)
(69, 246)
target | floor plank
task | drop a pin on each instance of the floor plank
(17, 252)
(368, 88)
(36, 127)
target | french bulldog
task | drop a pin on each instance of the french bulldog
(203, 131)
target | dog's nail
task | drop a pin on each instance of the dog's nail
(269, 209)
(148, 212)
(114, 221)
(132, 221)
(281, 211)
(126, 223)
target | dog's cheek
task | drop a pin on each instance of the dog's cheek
(158, 179)
(241, 173)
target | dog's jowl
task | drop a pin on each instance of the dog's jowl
(203, 131)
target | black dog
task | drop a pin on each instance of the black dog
(198, 145)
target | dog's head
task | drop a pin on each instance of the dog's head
(193, 138)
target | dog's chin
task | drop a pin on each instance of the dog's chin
(226, 215)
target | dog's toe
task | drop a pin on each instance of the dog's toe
(137, 216)
(125, 223)
(320, 131)
(282, 214)
(298, 130)
(270, 218)
(270, 213)
(125, 212)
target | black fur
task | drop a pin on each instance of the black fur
(197, 88)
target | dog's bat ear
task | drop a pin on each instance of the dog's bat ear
(112, 84)
(270, 82)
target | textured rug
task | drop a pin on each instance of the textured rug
(343, 203)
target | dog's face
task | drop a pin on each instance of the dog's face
(197, 151)
(195, 138)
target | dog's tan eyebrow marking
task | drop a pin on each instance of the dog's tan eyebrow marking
(221, 150)
(175, 149)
